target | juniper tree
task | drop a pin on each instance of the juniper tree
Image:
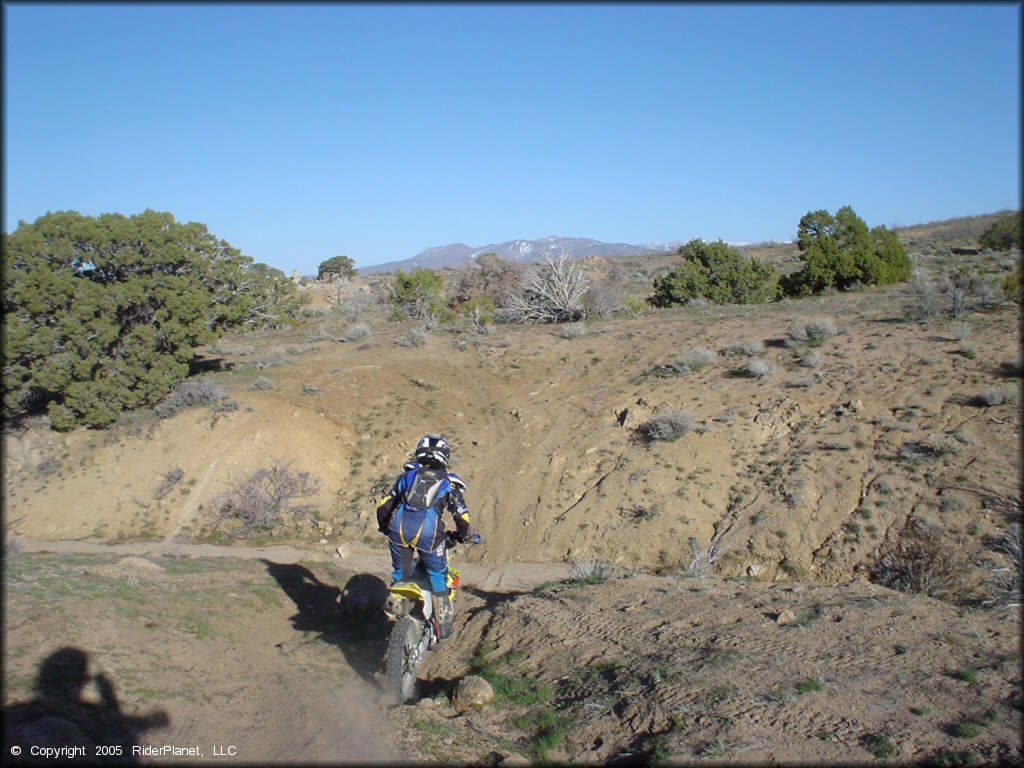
(102, 314)
(840, 251)
(716, 272)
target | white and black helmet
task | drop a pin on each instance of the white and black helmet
(433, 449)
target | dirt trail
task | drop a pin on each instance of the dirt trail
(258, 649)
(511, 577)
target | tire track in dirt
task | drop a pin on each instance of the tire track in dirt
(312, 719)
(646, 660)
(190, 508)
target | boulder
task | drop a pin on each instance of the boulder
(472, 692)
(785, 616)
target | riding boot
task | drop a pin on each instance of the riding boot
(444, 616)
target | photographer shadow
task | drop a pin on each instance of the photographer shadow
(351, 618)
(59, 718)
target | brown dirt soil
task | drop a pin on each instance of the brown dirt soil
(805, 476)
(683, 670)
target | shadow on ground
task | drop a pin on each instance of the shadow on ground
(349, 617)
(60, 718)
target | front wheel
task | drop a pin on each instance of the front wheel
(406, 648)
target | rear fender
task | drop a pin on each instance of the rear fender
(410, 590)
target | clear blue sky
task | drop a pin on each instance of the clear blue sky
(302, 132)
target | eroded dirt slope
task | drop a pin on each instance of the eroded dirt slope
(682, 671)
(809, 471)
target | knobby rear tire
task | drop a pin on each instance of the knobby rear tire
(406, 650)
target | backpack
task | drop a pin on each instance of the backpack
(428, 488)
(418, 516)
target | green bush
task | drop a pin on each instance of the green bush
(1013, 284)
(1003, 234)
(418, 294)
(840, 251)
(479, 310)
(102, 315)
(718, 273)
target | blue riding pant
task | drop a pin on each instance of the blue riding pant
(435, 562)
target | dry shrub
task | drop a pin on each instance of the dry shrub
(692, 359)
(960, 330)
(574, 330)
(810, 359)
(814, 330)
(188, 393)
(415, 337)
(670, 425)
(226, 348)
(549, 293)
(603, 299)
(705, 560)
(357, 331)
(998, 395)
(275, 358)
(171, 479)
(695, 358)
(1002, 585)
(489, 277)
(263, 501)
(591, 570)
(953, 294)
(931, 446)
(352, 305)
(748, 347)
(925, 562)
(757, 368)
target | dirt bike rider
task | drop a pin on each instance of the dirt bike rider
(411, 516)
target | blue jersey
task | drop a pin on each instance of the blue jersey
(416, 505)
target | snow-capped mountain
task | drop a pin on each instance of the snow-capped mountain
(525, 251)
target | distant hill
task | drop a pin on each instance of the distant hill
(935, 236)
(524, 251)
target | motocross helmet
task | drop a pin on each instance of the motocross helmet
(433, 449)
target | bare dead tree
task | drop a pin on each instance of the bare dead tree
(550, 293)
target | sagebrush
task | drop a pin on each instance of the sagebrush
(669, 425)
(188, 393)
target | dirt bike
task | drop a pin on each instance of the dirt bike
(417, 629)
